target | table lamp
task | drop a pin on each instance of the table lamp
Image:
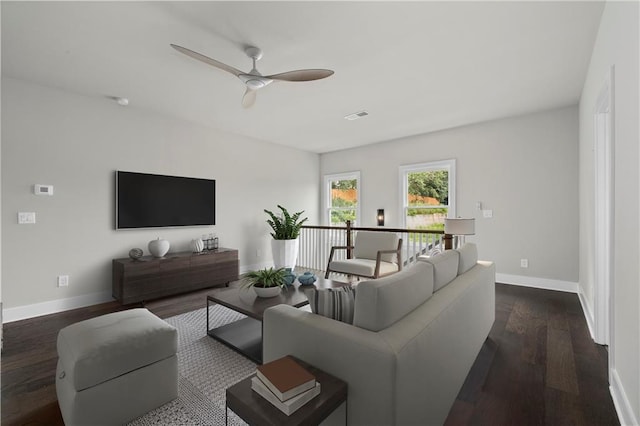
(459, 228)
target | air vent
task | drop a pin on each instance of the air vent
(356, 115)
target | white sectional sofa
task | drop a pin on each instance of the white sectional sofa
(414, 338)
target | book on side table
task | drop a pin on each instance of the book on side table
(285, 377)
(290, 405)
(285, 383)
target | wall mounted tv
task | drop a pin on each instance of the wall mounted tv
(151, 201)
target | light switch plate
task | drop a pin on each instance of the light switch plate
(26, 218)
(487, 213)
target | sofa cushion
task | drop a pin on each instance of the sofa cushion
(381, 302)
(362, 267)
(98, 349)
(468, 257)
(369, 242)
(445, 267)
(334, 303)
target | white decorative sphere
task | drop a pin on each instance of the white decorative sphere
(158, 248)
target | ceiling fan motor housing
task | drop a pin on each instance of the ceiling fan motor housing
(254, 82)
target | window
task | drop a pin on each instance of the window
(428, 194)
(342, 193)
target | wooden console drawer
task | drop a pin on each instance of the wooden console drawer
(151, 278)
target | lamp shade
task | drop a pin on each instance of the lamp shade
(460, 226)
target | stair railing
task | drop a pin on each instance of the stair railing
(316, 242)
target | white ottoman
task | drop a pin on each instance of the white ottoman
(116, 367)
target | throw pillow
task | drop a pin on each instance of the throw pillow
(334, 303)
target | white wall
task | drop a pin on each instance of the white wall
(524, 168)
(616, 45)
(76, 143)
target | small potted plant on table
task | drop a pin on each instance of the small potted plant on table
(266, 282)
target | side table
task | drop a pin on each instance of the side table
(255, 410)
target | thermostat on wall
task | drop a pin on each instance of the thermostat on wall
(43, 189)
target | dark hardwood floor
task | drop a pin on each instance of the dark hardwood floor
(539, 365)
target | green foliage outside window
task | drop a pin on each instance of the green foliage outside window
(344, 200)
(435, 210)
(432, 184)
(339, 217)
(344, 184)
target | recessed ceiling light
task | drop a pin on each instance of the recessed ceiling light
(122, 101)
(356, 115)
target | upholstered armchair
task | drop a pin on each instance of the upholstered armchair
(374, 254)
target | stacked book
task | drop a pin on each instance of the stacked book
(285, 383)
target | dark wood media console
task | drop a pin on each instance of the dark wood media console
(151, 278)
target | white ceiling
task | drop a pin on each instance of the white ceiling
(416, 67)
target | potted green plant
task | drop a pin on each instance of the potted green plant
(286, 229)
(266, 282)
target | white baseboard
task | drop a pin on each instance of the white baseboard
(588, 313)
(621, 402)
(60, 305)
(542, 283)
(54, 306)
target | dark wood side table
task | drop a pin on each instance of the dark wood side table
(255, 410)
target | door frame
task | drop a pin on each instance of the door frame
(604, 214)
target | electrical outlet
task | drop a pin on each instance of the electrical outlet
(524, 263)
(487, 213)
(258, 253)
(63, 280)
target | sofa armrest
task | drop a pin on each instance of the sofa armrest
(359, 357)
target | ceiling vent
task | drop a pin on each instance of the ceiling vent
(356, 115)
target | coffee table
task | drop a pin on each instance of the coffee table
(245, 335)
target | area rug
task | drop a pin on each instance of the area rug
(205, 369)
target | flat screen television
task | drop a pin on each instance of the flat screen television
(151, 201)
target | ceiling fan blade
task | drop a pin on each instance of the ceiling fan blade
(207, 60)
(249, 98)
(302, 75)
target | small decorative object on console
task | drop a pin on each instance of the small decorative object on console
(307, 278)
(159, 248)
(210, 242)
(135, 253)
(197, 245)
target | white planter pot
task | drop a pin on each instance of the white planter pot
(267, 291)
(285, 253)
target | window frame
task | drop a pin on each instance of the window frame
(327, 179)
(404, 171)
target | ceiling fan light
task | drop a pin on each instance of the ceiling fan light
(255, 84)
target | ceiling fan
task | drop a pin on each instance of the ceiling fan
(253, 79)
